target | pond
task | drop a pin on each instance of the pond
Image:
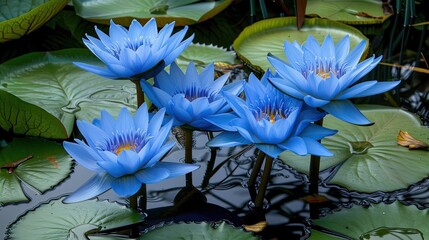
(342, 156)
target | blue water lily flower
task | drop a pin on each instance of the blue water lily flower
(140, 52)
(271, 120)
(325, 76)
(124, 153)
(190, 97)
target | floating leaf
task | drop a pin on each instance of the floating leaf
(183, 12)
(202, 55)
(18, 18)
(50, 81)
(35, 162)
(350, 12)
(204, 230)
(56, 220)
(367, 158)
(379, 221)
(25, 118)
(268, 36)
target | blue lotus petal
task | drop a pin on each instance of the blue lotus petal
(126, 186)
(222, 121)
(151, 175)
(83, 154)
(270, 149)
(177, 169)
(227, 139)
(283, 86)
(346, 111)
(379, 87)
(316, 132)
(296, 145)
(95, 186)
(315, 102)
(316, 148)
(92, 134)
(104, 72)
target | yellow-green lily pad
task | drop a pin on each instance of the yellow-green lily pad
(18, 18)
(268, 36)
(350, 12)
(183, 12)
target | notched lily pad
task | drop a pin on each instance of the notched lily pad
(268, 36)
(18, 18)
(368, 158)
(379, 221)
(183, 12)
(71, 221)
(50, 81)
(350, 12)
(35, 162)
(204, 230)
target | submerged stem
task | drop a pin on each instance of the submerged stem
(314, 168)
(264, 183)
(188, 154)
(138, 202)
(254, 175)
(139, 91)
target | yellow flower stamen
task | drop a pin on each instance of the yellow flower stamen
(128, 146)
(324, 74)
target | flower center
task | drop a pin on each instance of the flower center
(128, 146)
(194, 92)
(324, 74)
(133, 44)
(133, 140)
(272, 109)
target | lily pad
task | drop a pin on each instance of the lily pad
(183, 12)
(367, 158)
(268, 36)
(56, 220)
(350, 12)
(50, 81)
(204, 230)
(380, 221)
(18, 18)
(202, 55)
(35, 162)
(25, 118)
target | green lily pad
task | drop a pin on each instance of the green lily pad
(50, 81)
(350, 12)
(379, 221)
(202, 55)
(39, 163)
(56, 220)
(28, 119)
(204, 230)
(18, 18)
(268, 36)
(367, 158)
(183, 12)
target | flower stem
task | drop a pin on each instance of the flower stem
(254, 175)
(139, 91)
(188, 154)
(138, 202)
(210, 165)
(314, 168)
(264, 183)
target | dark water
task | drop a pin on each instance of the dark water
(227, 196)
